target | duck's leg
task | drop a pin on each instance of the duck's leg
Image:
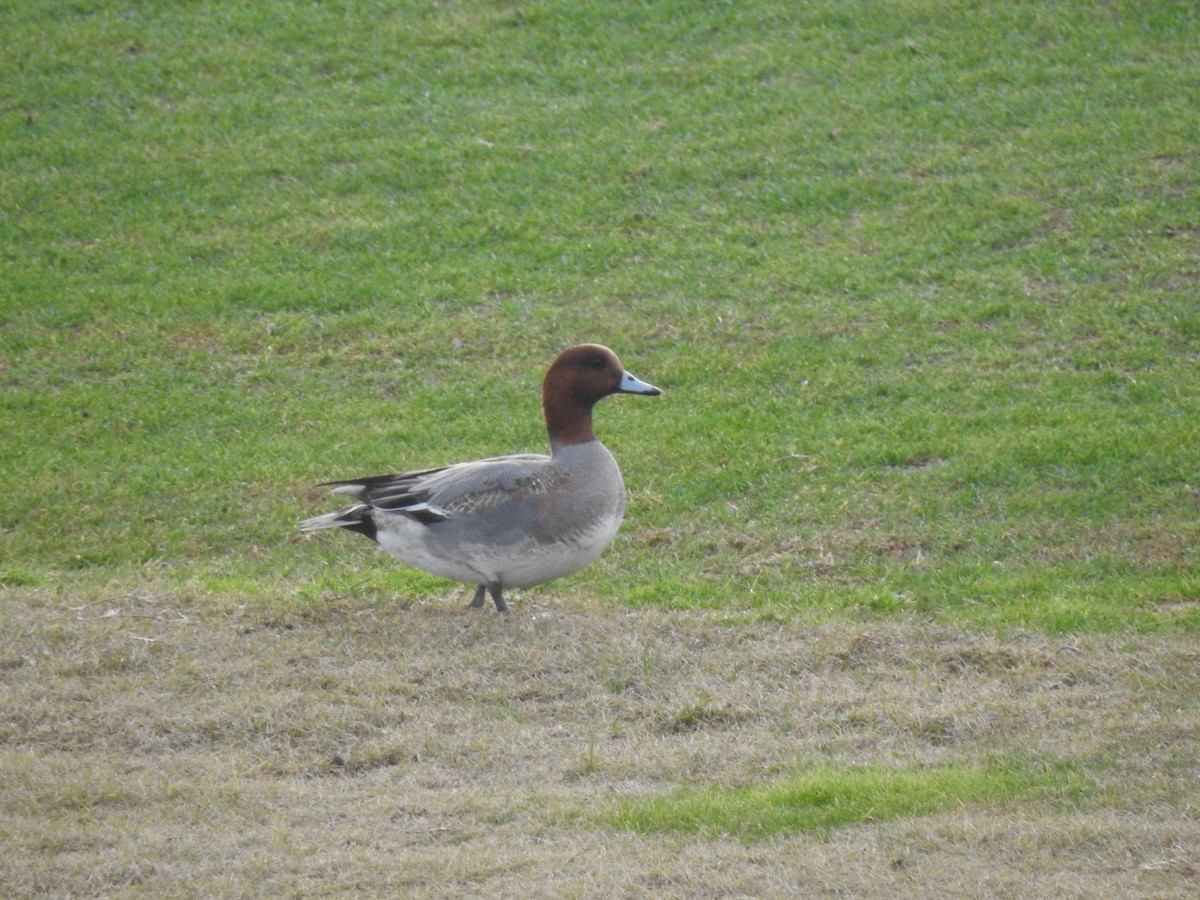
(477, 602)
(497, 593)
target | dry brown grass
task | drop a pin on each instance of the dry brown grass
(190, 750)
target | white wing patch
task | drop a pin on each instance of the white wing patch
(427, 512)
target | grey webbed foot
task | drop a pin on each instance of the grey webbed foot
(497, 593)
(477, 601)
(494, 588)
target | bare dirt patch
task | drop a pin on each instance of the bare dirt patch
(428, 751)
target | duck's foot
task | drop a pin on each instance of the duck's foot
(497, 593)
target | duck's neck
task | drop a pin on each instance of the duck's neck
(568, 418)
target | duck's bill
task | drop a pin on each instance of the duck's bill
(631, 385)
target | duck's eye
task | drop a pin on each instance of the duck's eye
(597, 363)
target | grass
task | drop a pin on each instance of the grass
(919, 280)
(825, 798)
(155, 749)
(927, 297)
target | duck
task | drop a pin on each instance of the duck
(506, 521)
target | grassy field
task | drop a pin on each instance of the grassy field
(907, 596)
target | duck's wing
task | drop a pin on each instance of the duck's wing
(435, 495)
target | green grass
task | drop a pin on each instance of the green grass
(823, 798)
(919, 280)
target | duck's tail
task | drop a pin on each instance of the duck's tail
(360, 518)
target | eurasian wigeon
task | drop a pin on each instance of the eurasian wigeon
(508, 521)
